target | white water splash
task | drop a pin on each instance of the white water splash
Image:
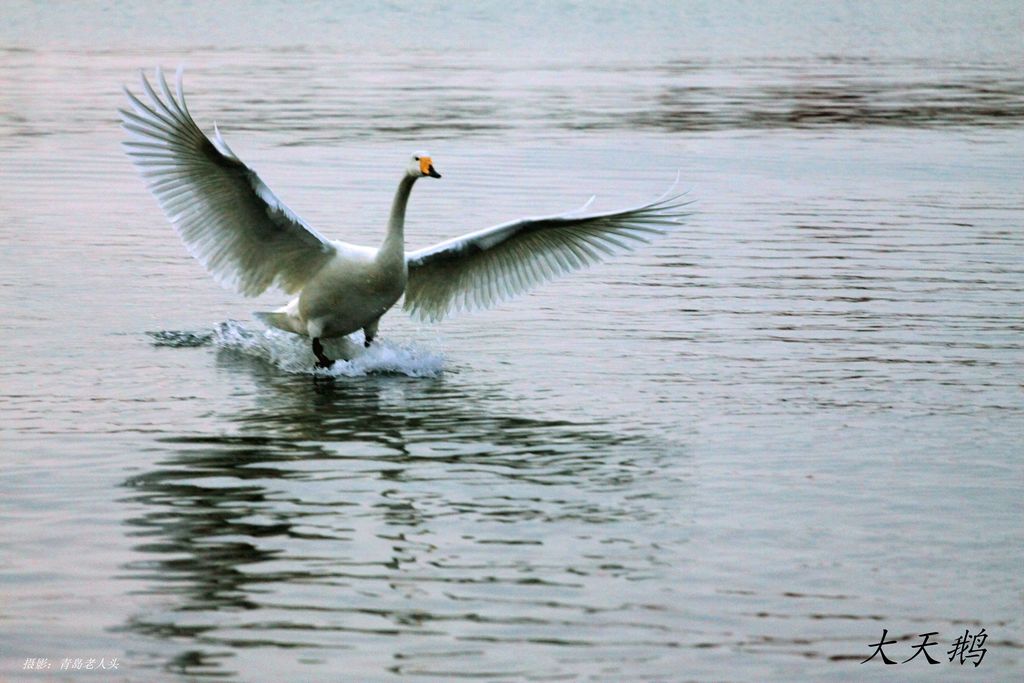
(292, 353)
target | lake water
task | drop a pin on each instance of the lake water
(741, 453)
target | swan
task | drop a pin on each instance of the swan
(249, 240)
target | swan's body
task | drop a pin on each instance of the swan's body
(249, 240)
(356, 285)
(350, 292)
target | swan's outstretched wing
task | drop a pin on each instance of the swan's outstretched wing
(485, 267)
(229, 220)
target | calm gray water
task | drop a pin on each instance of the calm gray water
(739, 454)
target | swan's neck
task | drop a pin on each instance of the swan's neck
(393, 249)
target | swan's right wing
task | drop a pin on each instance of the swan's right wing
(227, 217)
(495, 264)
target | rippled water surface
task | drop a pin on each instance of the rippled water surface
(738, 454)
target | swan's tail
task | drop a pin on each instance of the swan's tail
(279, 319)
(286, 318)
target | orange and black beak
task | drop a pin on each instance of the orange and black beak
(427, 168)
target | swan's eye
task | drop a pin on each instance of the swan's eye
(415, 158)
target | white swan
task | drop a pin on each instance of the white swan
(249, 240)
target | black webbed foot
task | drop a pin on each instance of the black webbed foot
(322, 361)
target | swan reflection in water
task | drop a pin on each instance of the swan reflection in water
(379, 506)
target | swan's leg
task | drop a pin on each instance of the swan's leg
(370, 331)
(322, 361)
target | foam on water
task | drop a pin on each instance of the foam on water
(180, 339)
(292, 353)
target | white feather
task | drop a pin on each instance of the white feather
(491, 265)
(229, 220)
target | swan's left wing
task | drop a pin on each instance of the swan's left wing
(485, 267)
(227, 217)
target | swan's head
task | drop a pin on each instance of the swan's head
(421, 165)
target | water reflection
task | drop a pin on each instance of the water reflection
(382, 506)
(340, 98)
(856, 93)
